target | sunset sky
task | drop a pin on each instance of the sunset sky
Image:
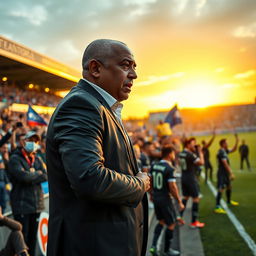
(194, 53)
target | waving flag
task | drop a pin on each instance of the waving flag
(33, 118)
(173, 117)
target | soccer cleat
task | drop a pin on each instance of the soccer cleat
(234, 203)
(180, 221)
(219, 210)
(172, 252)
(153, 251)
(197, 224)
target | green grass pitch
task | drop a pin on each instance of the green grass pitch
(219, 236)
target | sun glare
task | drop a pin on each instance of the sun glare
(199, 94)
(62, 93)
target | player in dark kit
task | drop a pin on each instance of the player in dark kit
(164, 184)
(189, 162)
(206, 153)
(225, 174)
(244, 155)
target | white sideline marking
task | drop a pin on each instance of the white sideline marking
(239, 227)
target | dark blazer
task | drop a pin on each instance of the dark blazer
(97, 206)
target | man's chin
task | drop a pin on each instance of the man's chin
(123, 97)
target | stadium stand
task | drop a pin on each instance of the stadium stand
(202, 121)
(27, 78)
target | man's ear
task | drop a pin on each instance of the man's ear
(94, 68)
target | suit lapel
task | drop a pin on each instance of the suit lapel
(127, 142)
(87, 87)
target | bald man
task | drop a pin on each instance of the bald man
(97, 195)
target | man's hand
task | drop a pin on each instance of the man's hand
(236, 137)
(181, 206)
(231, 176)
(145, 178)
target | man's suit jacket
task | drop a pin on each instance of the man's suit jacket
(97, 206)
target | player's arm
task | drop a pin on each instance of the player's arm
(200, 159)
(8, 222)
(228, 169)
(175, 193)
(236, 144)
(211, 140)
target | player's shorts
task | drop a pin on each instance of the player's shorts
(165, 210)
(190, 189)
(223, 181)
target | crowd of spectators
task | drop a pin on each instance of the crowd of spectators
(22, 170)
(11, 94)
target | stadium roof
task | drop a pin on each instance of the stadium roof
(25, 66)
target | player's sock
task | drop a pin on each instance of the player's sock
(168, 238)
(157, 232)
(194, 211)
(228, 194)
(218, 197)
(184, 201)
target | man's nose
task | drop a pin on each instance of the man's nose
(132, 74)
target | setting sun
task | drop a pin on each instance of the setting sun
(198, 94)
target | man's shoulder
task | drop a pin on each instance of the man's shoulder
(183, 153)
(77, 95)
(76, 99)
(16, 158)
(16, 154)
(222, 153)
(167, 166)
(187, 154)
(159, 166)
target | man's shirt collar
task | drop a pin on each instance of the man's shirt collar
(115, 105)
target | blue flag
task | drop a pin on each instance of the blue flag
(173, 117)
(33, 118)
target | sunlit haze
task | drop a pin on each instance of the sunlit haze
(192, 53)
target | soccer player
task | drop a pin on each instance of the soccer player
(225, 174)
(164, 183)
(206, 153)
(189, 162)
(244, 155)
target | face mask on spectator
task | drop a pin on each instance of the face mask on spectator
(31, 146)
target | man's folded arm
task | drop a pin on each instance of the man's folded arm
(16, 171)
